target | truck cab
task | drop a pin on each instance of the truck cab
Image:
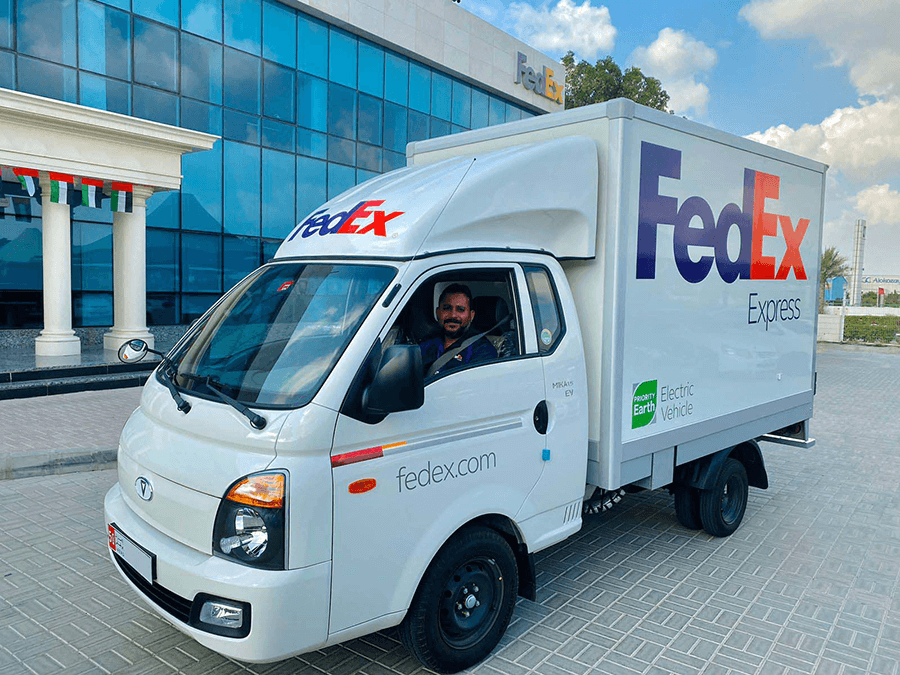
(319, 475)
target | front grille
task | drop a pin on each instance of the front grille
(173, 604)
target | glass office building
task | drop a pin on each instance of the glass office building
(305, 109)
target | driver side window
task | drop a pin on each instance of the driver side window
(461, 319)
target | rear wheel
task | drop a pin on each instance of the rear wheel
(722, 507)
(464, 602)
(687, 507)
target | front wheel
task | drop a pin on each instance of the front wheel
(722, 507)
(464, 602)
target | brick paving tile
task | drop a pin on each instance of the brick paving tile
(809, 584)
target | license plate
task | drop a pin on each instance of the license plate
(139, 558)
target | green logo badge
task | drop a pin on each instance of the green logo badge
(643, 404)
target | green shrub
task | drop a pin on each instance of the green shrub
(871, 328)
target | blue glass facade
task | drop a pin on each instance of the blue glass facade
(305, 110)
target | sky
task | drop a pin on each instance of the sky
(820, 78)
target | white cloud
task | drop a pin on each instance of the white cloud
(862, 142)
(585, 29)
(678, 60)
(879, 205)
(860, 35)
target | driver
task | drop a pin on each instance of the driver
(455, 315)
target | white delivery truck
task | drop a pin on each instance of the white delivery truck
(295, 475)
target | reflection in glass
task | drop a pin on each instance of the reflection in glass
(155, 55)
(46, 29)
(312, 102)
(92, 309)
(105, 94)
(162, 260)
(279, 91)
(419, 87)
(165, 11)
(310, 186)
(279, 33)
(201, 117)
(6, 24)
(104, 40)
(203, 17)
(7, 70)
(241, 173)
(163, 210)
(341, 111)
(462, 104)
(243, 25)
(312, 36)
(91, 257)
(341, 150)
(342, 58)
(240, 127)
(370, 119)
(497, 114)
(418, 126)
(201, 267)
(394, 127)
(201, 190)
(278, 135)
(241, 256)
(242, 81)
(155, 105)
(201, 69)
(396, 78)
(340, 179)
(440, 96)
(371, 69)
(277, 193)
(480, 105)
(278, 335)
(368, 157)
(46, 79)
(311, 143)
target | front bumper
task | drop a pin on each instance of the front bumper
(288, 609)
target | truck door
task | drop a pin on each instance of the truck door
(471, 449)
(562, 358)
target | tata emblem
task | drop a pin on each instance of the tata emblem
(144, 488)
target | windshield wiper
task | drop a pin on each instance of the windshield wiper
(256, 421)
(165, 376)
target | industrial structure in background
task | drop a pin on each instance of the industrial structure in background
(856, 270)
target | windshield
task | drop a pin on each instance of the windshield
(275, 337)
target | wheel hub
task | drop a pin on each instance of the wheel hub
(470, 598)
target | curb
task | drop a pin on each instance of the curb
(55, 462)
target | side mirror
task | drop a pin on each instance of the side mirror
(399, 383)
(133, 351)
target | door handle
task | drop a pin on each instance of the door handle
(541, 417)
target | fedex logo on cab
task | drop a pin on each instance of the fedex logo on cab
(756, 219)
(364, 218)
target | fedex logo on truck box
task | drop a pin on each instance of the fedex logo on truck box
(752, 219)
(352, 221)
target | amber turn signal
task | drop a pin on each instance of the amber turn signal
(363, 485)
(264, 490)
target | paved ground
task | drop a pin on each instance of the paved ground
(810, 583)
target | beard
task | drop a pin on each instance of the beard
(453, 329)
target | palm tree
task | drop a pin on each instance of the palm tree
(833, 265)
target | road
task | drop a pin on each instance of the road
(810, 583)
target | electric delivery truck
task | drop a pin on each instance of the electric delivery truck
(295, 476)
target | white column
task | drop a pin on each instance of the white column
(130, 273)
(57, 338)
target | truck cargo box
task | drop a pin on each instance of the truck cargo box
(696, 287)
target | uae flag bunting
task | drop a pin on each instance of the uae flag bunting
(91, 192)
(28, 178)
(121, 197)
(59, 187)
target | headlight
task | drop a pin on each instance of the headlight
(251, 520)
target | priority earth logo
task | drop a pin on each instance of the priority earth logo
(643, 404)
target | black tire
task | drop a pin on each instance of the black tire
(687, 507)
(464, 601)
(722, 507)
